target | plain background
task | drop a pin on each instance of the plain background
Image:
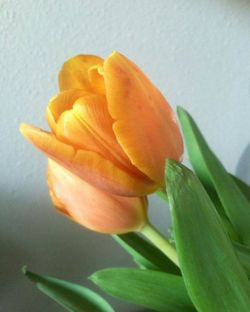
(196, 52)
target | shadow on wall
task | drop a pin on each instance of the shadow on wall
(33, 234)
(11, 253)
(243, 167)
(240, 5)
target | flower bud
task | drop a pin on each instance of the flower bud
(110, 126)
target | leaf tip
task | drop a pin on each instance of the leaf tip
(180, 109)
(24, 269)
(172, 167)
(183, 114)
(93, 278)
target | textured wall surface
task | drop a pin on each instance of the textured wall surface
(196, 52)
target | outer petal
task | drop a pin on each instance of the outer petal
(93, 208)
(74, 72)
(145, 124)
(89, 166)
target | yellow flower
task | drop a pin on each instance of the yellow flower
(110, 126)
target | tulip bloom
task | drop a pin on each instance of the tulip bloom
(110, 126)
(92, 207)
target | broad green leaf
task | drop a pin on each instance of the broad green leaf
(145, 254)
(214, 278)
(226, 222)
(214, 176)
(72, 297)
(150, 289)
(245, 188)
(243, 254)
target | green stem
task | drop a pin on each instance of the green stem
(152, 234)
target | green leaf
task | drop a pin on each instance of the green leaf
(228, 227)
(214, 278)
(243, 254)
(150, 289)
(162, 195)
(145, 254)
(245, 188)
(214, 176)
(72, 297)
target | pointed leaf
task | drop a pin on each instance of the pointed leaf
(72, 297)
(214, 278)
(150, 289)
(214, 176)
(145, 254)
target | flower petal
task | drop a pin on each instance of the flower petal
(145, 125)
(74, 72)
(91, 207)
(96, 79)
(70, 130)
(60, 103)
(88, 165)
(47, 142)
(93, 113)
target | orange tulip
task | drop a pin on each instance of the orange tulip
(92, 207)
(110, 126)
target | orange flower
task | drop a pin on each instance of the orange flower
(92, 207)
(110, 126)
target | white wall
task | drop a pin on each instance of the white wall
(197, 52)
